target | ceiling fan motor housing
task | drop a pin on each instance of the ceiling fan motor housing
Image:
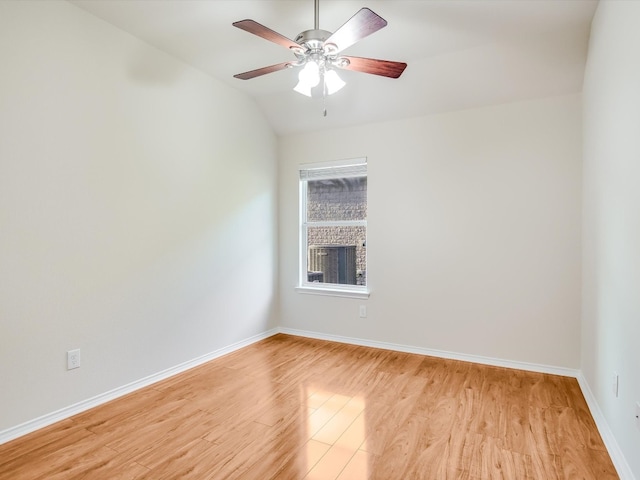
(312, 39)
(313, 46)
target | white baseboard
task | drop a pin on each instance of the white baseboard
(495, 362)
(617, 457)
(53, 417)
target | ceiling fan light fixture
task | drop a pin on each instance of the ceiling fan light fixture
(332, 82)
(308, 78)
(342, 62)
(303, 89)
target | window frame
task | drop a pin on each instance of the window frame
(355, 167)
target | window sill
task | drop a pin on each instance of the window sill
(334, 292)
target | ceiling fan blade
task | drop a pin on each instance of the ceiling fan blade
(266, 33)
(262, 71)
(361, 25)
(384, 68)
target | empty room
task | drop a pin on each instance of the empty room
(319, 239)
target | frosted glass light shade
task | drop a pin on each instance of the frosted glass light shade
(308, 78)
(332, 82)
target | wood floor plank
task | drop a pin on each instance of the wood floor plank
(331, 464)
(289, 408)
(40, 443)
(70, 461)
(158, 416)
(586, 423)
(340, 422)
(355, 435)
(514, 428)
(400, 453)
(358, 467)
(185, 427)
(101, 463)
(101, 418)
(272, 455)
(197, 460)
(301, 463)
(383, 419)
(31, 456)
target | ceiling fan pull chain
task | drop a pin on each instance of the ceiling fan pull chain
(324, 96)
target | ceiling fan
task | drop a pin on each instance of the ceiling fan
(319, 53)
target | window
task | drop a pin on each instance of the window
(333, 228)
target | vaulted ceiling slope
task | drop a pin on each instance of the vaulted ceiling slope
(461, 53)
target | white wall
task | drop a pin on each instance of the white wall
(611, 261)
(137, 210)
(474, 232)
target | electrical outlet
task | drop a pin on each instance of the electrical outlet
(638, 415)
(615, 384)
(73, 359)
(363, 311)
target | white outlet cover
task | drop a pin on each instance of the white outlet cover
(73, 359)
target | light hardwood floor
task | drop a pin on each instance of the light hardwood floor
(295, 408)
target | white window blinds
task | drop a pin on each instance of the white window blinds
(341, 169)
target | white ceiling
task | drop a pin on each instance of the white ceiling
(460, 53)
